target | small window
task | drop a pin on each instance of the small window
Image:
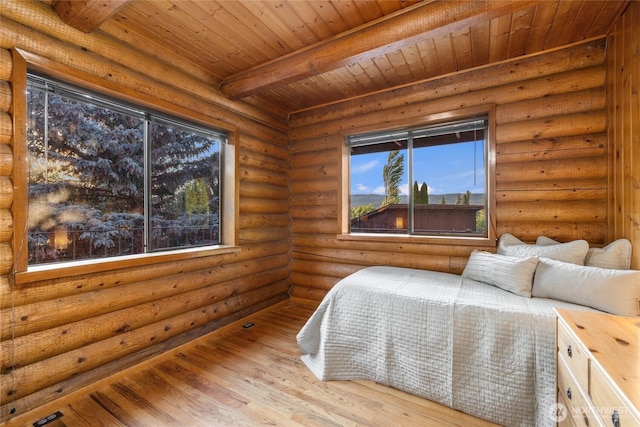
(424, 181)
(107, 179)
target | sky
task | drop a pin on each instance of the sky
(445, 169)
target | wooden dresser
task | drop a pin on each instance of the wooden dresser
(598, 369)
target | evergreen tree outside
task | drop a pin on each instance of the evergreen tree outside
(424, 193)
(392, 176)
(196, 197)
(466, 198)
(420, 193)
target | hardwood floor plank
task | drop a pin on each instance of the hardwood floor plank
(86, 412)
(169, 399)
(241, 377)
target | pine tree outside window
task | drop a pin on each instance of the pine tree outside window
(107, 179)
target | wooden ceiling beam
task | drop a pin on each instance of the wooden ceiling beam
(395, 31)
(85, 15)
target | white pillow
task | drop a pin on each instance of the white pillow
(613, 291)
(545, 241)
(616, 254)
(573, 252)
(509, 273)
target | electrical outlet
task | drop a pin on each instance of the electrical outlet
(48, 419)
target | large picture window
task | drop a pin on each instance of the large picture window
(428, 181)
(107, 179)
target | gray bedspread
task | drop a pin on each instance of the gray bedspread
(452, 340)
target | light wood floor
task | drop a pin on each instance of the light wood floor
(243, 377)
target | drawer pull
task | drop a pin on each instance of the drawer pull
(569, 351)
(615, 418)
(569, 394)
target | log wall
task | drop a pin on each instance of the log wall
(623, 113)
(58, 334)
(551, 161)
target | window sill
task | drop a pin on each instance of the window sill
(478, 242)
(74, 268)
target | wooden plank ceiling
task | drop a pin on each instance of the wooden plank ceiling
(288, 56)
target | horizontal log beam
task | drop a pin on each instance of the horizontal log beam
(264, 190)
(260, 175)
(552, 127)
(552, 171)
(259, 220)
(5, 65)
(265, 235)
(85, 15)
(6, 259)
(584, 194)
(589, 145)
(6, 128)
(313, 280)
(6, 190)
(406, 27)
(309, 174)
(6, 161)
(6, 225)
(264, 206)
(318, 198)
(318, 226)
(309, 243)
(307, 294)
(572, 211)
(5, 96)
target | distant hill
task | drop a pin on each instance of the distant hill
(450, 199)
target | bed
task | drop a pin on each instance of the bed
(477, 347)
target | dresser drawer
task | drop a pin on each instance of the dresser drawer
(574, 355)
(575, 398)
(565, 420)
(607, 403)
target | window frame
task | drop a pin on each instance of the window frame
(487, 110)
(25, 62)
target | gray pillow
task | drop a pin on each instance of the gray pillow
(509, 273)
